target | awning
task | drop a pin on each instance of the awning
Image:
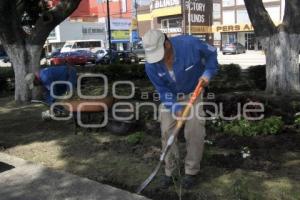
(120, 41)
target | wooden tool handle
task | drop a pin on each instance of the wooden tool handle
(188, 107)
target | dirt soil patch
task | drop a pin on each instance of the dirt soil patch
(271, 171)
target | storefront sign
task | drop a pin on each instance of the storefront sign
(171, 30)
(233, 28)
(200, 12)
(156, 4)
(134, 24)
(92, 30)
(201, 29)
(120, 24)
(120, 35)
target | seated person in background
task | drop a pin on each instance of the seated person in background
(47, 76)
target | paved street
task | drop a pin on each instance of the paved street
(2, 64)
(245, 60)
(29, 181)
(250, 58)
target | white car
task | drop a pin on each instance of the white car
(87, 45)
(101, 53)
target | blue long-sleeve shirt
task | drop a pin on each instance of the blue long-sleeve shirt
(193, 58)
(58, 73)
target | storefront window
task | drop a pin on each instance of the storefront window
(174, 23)
(228, 3)
(52, 34)
(250, 41)
(228, 17)
(242, 17)
(229, 38)
(216, 11)
(164, 23)
(171, 23)
(240, 2)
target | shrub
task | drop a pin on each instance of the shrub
(117, 71)
(297, 121)
(268, 126)
(135, 138)
(258, 75)
(230, 72)
(6, 74)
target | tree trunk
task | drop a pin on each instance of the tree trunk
(24, 60)
(282, 58)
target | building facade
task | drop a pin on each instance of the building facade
(89, 21)
(70, 30)
(174, 17)
(235, 24)
(215, 21)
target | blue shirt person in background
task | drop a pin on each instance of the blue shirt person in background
(47, 76)
(174, 66)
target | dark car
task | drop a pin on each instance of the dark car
(90, 56)
(233, 48)
(139, 51)
(127, 57)
(4, 56)
(109, 57)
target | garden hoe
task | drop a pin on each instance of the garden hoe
(179, 123)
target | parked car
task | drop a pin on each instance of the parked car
(4, 57)
(90, 56)
(233, 48)
(127, 57)
(109, 57)
(55, 52)
(74, 58)
(100, 53)
(89, 45)
(139, 51)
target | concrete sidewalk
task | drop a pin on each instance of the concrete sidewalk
(29, 181)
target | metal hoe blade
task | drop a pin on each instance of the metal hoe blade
(149, 179)
(155, 171)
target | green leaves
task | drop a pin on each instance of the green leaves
(135, 138)
(268, 126)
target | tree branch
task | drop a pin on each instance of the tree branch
(50, 19)
(260, 18)
(291, 19)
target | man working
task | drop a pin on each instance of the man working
(47, 76)
(174, 67)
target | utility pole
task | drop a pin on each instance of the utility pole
(189, 17)
(109, 32)
(108, 26)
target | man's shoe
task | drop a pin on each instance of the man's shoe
(188, 181)
(166, 182)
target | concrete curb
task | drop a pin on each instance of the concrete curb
(30, 181)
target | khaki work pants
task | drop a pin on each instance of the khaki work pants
(194, 133)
